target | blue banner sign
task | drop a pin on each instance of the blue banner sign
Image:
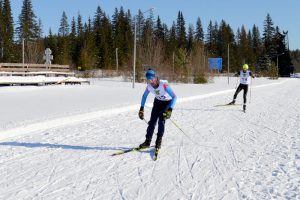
(215, 63)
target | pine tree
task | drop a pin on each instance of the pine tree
(243, 46)
(256, 41)
(87, 54)
(64, 29)
(190, 39)
(283, 59)
(8, 30)
(268, 36)
(181, 31)
(106, 46)
(147, 43)
(123, 36)
(97, 29)
(28, 29)
(225, 38)
(140, 21)
(63, 41)
(79, 25)
(28, 26)
(172, 42)
(159, 31)
(199, 35)
(1, 31)
(74, 47)
(209, 37)
(73, 28)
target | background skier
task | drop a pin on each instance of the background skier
(244, 82)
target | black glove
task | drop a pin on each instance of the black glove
(167, 114)
(141, 113)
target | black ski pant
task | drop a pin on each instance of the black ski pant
(241, 87)
(159, 107)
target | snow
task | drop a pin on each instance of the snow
(56, 142)
(40, 79)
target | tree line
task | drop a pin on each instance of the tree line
(104, 42)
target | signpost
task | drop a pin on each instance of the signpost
(215, 63)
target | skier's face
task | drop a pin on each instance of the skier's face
(153, 82)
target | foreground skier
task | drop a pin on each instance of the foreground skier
(244, 82)
(163, 105)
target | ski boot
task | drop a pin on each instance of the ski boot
(145, 144)
(233, 102)
(244, 107)
(158, 142)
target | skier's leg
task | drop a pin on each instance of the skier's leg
(153, 120)
(245, 93)
(236, 93)
(161, 125)
(245, 96)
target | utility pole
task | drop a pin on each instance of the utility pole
(23, 52)
(173, 62)
(228, 64)
(117, 62)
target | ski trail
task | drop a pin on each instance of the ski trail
(86, 117)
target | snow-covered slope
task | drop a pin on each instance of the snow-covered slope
(56, 142)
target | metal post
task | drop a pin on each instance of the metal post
(134, 53)
(228, 65)
(23, 53)
(173, 62)
(277, 68)
(117, 59)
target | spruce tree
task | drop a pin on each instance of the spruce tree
(106, 46)
(199, 35)
(268, 36)
(243, 46)
(209, 37)
(172, 42)
(28, 26)
(1, 31)
(64, 28)
(190, 38)
(283, 59)
(159, 31)
(97, 26)
(8, 43)
(181, 31)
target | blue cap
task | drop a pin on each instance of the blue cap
(150, 74)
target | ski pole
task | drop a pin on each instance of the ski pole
(236, 83)
(145, 121)
(177, 126)
(250, 90)
(183, 131)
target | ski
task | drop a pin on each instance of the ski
(220, 105)
(129, 150)
(156, 154)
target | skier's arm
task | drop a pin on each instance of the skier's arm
(251, 74)
(172, 94)
(237, 74)
(144, 98)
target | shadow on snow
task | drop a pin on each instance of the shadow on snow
(57, 146)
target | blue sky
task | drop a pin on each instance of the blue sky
(235, 12)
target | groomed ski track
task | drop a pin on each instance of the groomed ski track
(224, 153)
